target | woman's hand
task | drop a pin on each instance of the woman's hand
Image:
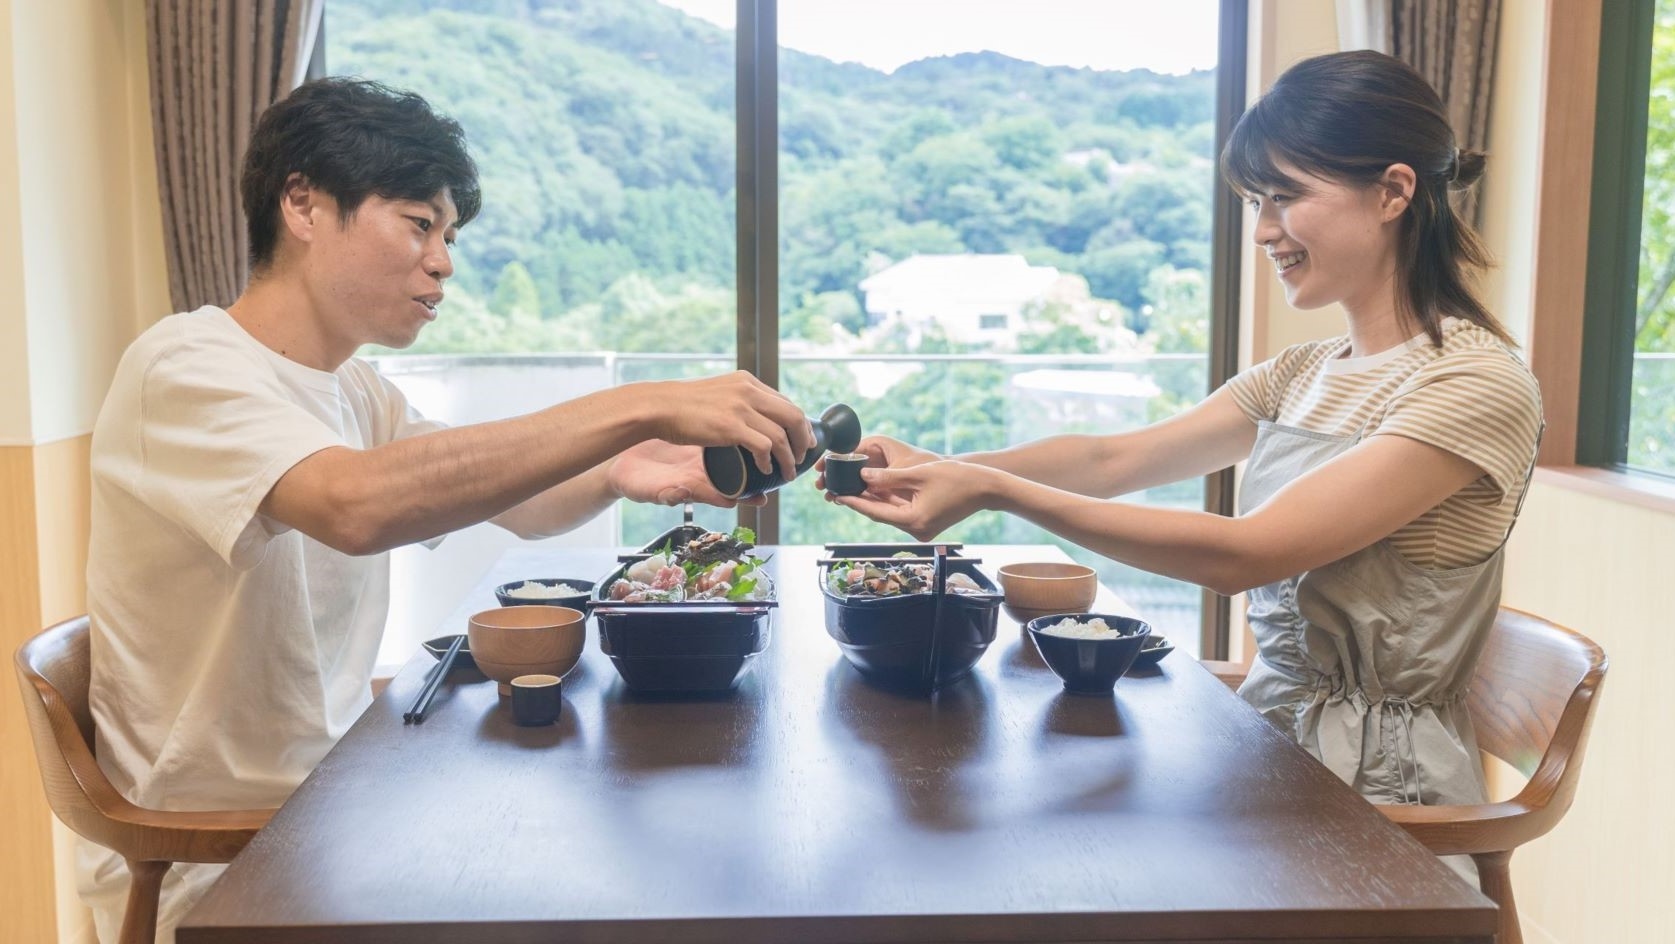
(884, 453)
(925, 499)
(893, 453)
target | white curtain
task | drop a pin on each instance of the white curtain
(1364, 24)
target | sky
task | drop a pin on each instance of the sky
(1173, 36)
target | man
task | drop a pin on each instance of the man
(249, 474)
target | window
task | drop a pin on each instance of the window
(1627, 414)
(977, 224)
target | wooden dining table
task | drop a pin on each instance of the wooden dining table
(809, 807)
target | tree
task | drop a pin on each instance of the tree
(1026, 142)
(928, 175)
(1166, 207)
(815, 316)
(1655, 311)
(1120, 272)
(900, 240)
(635, 315)
(918, 126)
(1052, 332)
(1179, 323)
(514, 293)
(1164, 105)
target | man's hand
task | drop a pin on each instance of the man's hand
(923, 500)
(661, 473)
(733, 410)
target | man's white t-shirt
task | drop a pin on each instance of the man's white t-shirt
(229, 652)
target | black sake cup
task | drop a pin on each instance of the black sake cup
(843, 473)
(537, 699)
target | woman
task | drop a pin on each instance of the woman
(1385, 467)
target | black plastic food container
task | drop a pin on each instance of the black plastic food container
(889, 638)
(693, 646)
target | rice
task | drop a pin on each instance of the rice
(1095, 628)
(530, 590)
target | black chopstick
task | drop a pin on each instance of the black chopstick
(939, 589)
(421, 705)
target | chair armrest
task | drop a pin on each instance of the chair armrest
(189, 836)
(1232, 674)
(1467, 830)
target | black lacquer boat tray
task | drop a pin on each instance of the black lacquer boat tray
(684, 646)
(915, 642)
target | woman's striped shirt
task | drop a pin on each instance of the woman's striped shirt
(1472, 397)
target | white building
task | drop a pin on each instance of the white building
(977, 299)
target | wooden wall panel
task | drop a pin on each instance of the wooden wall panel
(27, 888)
(1564, 168)
(62, 519)
(63, 510)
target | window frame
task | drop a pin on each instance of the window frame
(756, 136)
(1622, 97)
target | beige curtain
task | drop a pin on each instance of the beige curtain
(1452, 44)
(215, 65)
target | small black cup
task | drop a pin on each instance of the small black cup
(536, 699)
(843, 473)
(733, 471)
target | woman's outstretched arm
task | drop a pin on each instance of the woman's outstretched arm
(1354, 500)
(1209, 437)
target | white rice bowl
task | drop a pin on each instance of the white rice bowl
(530, 590)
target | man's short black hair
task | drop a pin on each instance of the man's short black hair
(352, 138)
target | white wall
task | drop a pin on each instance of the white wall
(1282, 32)
(72, 74)
(14, 340)
(1509, 182)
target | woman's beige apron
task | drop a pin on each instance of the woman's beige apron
(1365, 661)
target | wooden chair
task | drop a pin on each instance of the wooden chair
(53, 670)
(1532, 703)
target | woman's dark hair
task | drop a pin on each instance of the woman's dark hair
(352, 138)
(1347, 117)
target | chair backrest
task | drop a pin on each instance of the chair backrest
(53, 670)
(61, 657)
(1531, 701)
